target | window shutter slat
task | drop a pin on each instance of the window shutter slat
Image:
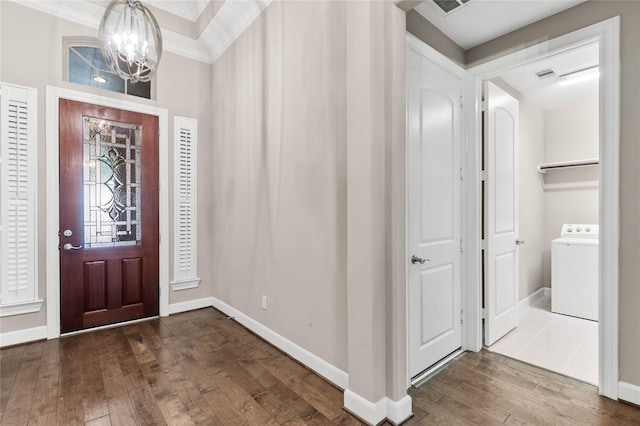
(18, 158)
(185, 199)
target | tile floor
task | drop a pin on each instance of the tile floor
(559, 343)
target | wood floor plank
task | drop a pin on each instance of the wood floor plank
(45, 398)
(94, 406)
(146, 407)
(22, 392)
(70, 409)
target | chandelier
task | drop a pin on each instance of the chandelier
(130, 40)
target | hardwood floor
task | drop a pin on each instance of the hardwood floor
(200, 368)
(486, 388)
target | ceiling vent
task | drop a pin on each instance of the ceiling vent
(545, 74)
(448, 6)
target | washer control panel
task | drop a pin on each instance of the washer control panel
(579, 230)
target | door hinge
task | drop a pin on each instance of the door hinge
(461, 246)
(461, 101)
(461, 316)
(483, 105)
(461, 174)
(483, 244)
(484, 313)
(483, 175)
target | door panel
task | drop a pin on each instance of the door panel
(437, 296)
(501, 215)
(109, 224)
(437, 111)
(433, 167)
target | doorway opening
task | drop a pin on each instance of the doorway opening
(557, 184)
(606, 34)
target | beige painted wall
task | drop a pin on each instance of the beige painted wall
(531, 205)
(570, 20)
(571, 195)
(308, 116)
(430, 34)
(279, 175)
(31, 51)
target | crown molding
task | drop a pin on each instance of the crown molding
(231, 20)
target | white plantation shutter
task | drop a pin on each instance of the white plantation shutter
(185, 148)
(18, 171)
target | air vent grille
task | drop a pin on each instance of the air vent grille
(448, 6)
(545, 74)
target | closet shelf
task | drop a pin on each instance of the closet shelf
(543, 167)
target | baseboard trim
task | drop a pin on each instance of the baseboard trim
(535, 296)
(374, 413)
(317, 364)
(23, 336)
(628, 392)
(399, 412)
(190, 305)
(371, 413)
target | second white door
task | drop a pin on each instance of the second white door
(434, 93)
(501, 214)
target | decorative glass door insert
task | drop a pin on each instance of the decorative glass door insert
(112, 193)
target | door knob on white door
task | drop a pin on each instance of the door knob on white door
(519, 242)
(70, 246)
(415, 259)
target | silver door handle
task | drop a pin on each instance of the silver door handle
(519, 242)
(415, 259)
(70, 246)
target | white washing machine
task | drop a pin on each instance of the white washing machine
(574, 271)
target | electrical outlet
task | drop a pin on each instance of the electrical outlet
(264, 302)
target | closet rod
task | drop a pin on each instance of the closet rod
(542, 168)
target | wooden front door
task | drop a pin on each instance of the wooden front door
(109, 235)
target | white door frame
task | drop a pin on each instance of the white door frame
(607, 33)
(54, 94)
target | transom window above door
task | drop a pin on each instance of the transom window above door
(85, 65)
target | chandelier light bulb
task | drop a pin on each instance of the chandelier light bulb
(130, 40)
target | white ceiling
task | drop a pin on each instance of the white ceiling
(188, 9)
(482, 20)
(548, 93)
(231, 19)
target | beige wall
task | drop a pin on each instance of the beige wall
(307, 123)
(571, 195)
(563, 23)
(279, 174)
(31, 50)
(428, 33)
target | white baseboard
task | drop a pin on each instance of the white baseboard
(317, 364)
(370, 412)
(628, 392)
(399, 411)
(190, 305)
(535, 296)
(23, 336)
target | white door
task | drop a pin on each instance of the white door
(433, 167)
(501, 213)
